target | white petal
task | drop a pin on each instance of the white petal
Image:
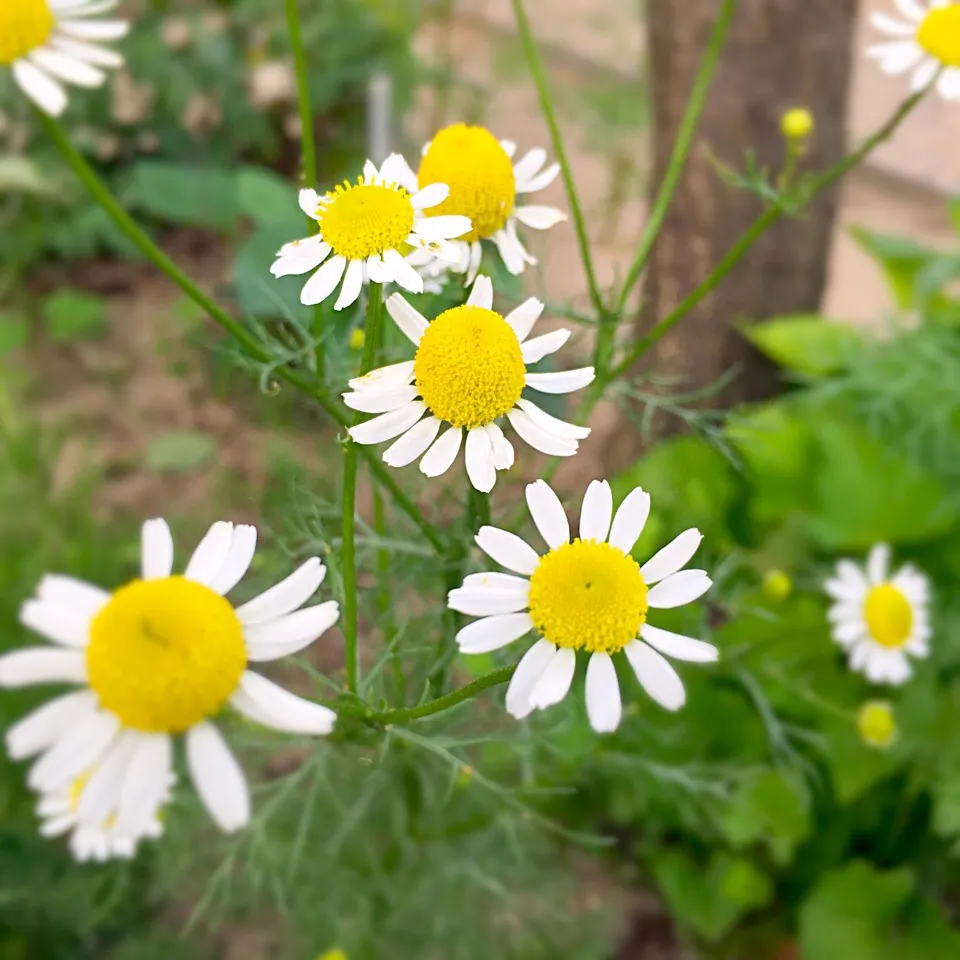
(481, 294)
(488, 601)
(526, 676)
(540, 181)
(562, 381)
(494, 580)
(596, 511)
(395, 169)
(291, 633)
(539, 218)
(384, 378)
(60, 624)
(507, 549)
(352, 284)
(75, 594)
(156, 550)
(101, 794)
(554, 682)
(218, 778)
(146, 785)
(409, 320)
(679, 588)
(540, 347)
(878, 563)
(381, 401)
(656, 676)
(543, 420)
(913, 9)
(286, 596)
(548, 514)
(492, 633)
(892, 26)
(850, 632)
(474, 256)
(323, 282)
(511, 251)
(540, 438)
(88, 52)
(33, 665)
(522, 319)
(309, 201)
(42, 727)
(509, 147)
(95, 29)
(430, 196)
(403, 274)
(379, 272)
(265, 702)
(439, 458)
(74, 753)
(678, 646)
(447, 227)
(673, 557)
(46, 93)
(238, 561)
(67, 68)
(630, 519)
(413, 443)
(388, 425)
(529, 164)
(503, 454)
(479, 460)
(923, 75)
(603, 694)
(299, 257)
(211, 553)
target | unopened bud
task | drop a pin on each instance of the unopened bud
(777, 585)
(797, 124)
(876, 724)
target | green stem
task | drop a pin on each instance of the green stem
(546, 104)
(315, 390)
(467, 692)
(348, 553)
(308, 150)
(678, 158)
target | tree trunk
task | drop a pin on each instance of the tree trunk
(779, 54)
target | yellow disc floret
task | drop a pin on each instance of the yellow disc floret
(876, 723)
(888, 615)
(939, 35)
(361, 219)
(479, 173)
(469, 369)
(588, 596)
(24, 26)
(165, 654)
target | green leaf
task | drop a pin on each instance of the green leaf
(181, 193)
(71, 315)
(22, 175)
(809, 345)
(900, 259)
(259, 294)
(13, 331)
(946, 801)
(181, 452)
(854, 766)
(851, 912)
(926, 936)
(766, 809)
(267, 198)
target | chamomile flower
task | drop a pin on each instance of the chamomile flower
(484, 186)
(879, 619)
(59, 814)
(470, 369)
(156, 659)
(586, 594)
(925, 41)
(47, 43)
(364, 225)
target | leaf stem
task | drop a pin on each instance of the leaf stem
(467, 692)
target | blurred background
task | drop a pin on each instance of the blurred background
(120, 401)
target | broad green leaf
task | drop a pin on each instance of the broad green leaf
(71, 315)
(809, 345)
(900, 259)
(181, 452)
(266, 197)
(851, 912)
(854, 766)
(926, 936)
(181, 193)
(260, 294)
(22, 175)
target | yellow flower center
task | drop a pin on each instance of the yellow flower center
(469, 368)
(479, 173)
(588, 596)
(888, 615)
(939, 35)
(165, 654)
(24, 26)
(361, 219)
(876, 724)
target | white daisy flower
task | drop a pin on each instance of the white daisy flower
(364, 225)
(59, 814)
(469, 370)
(879, 619)
(159, 658)
(47, 43)
(484, 185)
(925, 41)
(583, 594)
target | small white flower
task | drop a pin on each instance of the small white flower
(879, 619)
(47, 43)
(484, 186)
(159, 658)
(469, 370)
(583, 594)
(365, 225)
(927, 40)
